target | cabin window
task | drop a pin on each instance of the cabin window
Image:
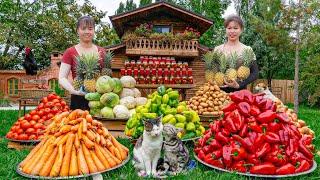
(13, 85)
(161, 29)
(53, 83)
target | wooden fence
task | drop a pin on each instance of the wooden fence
(282, 89)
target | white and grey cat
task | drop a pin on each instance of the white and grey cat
(176, 154)
(147, 150)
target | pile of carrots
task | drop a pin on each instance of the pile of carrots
(74, 144)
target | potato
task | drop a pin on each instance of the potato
(204, 105)
(210, 98)
(215, 113)
(200, 107)
(206, 113)
(210, 109)
(196, 103)
(216, 108)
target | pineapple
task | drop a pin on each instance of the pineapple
(77, 83)
(91, 70)
(243, 71)
(211, 59)
(107, 65)
(219, 76)
(231, 73)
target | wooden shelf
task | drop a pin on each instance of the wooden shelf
(173, 86)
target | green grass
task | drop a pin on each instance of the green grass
(10, 158)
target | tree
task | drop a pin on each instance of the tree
(46, 26)
(144, 2)
(129, 5)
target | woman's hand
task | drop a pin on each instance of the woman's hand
(233, 84)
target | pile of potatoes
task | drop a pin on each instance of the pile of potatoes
(209, 100)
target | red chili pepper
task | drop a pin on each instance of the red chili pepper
(197, 150)
(237, 96)
(303, 166)
(307, 139)
(257, 100)
(254, 111)
(255, 127)
(281, 136)
(262, 103)
(217, 163)
(303, 149)
(226, 154)
(266, 117)
(201, 155)
(243, 132)
(297, 157)
(259, 140)
(272, 137)
(239, 153)
(244, 109)
(295, 130)
(206, 149)
(214, 144)
(263, 150)
(251, 119)
(221, 138)
(215, 126)
(269, 105)
(239, 166)
(286, 169)
(283, 117)
(274, 127)
(293, 147)
(265, 168)
(230, 107)
(276, 158)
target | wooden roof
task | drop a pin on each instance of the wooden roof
(121, 21)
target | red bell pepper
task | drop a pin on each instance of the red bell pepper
(214, 144)
(264, 127)
(239, 153)
(237, 96)
(255, 127)
(217, 154)
(239, 166)
(250, 119)
(286, 169)
(303, 149)
(274, 127)
(225, 132)
(264, 168)
(257, 100)
(245, 142)
(226, 154)
(286, 137)
(238, 119)
(297, 157)
(218, 163)
(262, 151)
(244, 131)
(293, 147)
(254, 111)
(201, 155)
(259, 94)
(270, 105)
(307, 139)
(252, 136)
(272, 137)
(281, 136)
(262, 103)
(244, 109)
(266, 117)
(197, 150)
(215, 126)
(229, 123)
(303, 166)
(283, 117)
(295, 131)
(247, 96)
(206, 149)
(259, 140)
(221, 138)
(252, 158)
(276, 158)
(230, 107)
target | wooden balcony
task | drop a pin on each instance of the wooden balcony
(155, 47)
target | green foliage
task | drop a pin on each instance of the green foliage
(129, 5)
(59, 91)
(144, 2)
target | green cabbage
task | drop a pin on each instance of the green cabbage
(105, 84)
(110, 99)
(117, 86)
(92, 96)
(107, 112)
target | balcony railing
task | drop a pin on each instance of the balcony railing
(144, 46)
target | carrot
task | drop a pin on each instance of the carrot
(57, 163)
(80, 131)
(123, 153)
(76, 142)
(58, 118)
(92, 167)
(96, 161)
(63, 140)
(67, 156)
(76, 113)
(58, 134)
(89, 118)
(85, 113)
(75, 121)
(101, 157)
(110, 146)
(105, 132)
(98, 138)
(45, 171)
(65, 129)
(82, 164)
(73, 171)
(95, 123)
(58, 139)
(34, 160)
(91, 135)
(89, 144)
(112, 156)
(103, 140)
(32, 153)
(118, 154)
(99, 131)
(43, 160)
(75, 128)
(84, 126)
(110, 160)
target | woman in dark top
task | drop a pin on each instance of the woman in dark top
(85, 30)
(234, 28)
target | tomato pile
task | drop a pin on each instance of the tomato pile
(253, 137)
(32, 125)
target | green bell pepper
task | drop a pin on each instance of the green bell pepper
(180, 118)
(154, 108)
(198, 133)
(173, 121)
(188, 115)
(202, 129)
(148, 104)
(144, 110)
(149, 115)
(189, 135)
(173, 94)
(183, 103)
(172, 111)
(161, 90)
(190, 127)
(167, 118)
(180, 125)
(181, 108)
(169, 90)
(195, 117)
(165, 99)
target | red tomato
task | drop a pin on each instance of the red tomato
(45, 100)
(25, 125)
(9, 134)
(50, 115)
(51, 96)
(27, 117)
(33, 112)
(30, 131)
(17, 123)
(63, 103)
(54, 110)
(37, 126)
(21, 118)
(33, 122)
(58, 105)
(23, 137)
(59, 112)
(40, 137)
(44, 117)
(19, 131)
(43, 127)
(47, 111)
(55, 101)
(14, 135)
(40, 106)
(41, 121)
(58, 97)
(40, 113)
(35, 117)
(48, 105)
(32, 137)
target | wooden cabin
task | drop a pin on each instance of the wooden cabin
(165, 17)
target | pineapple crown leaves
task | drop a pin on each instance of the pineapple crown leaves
(222, 63)
(211, 59)
(233, 59)
(89, 64)
(107, 59)
(248, 56)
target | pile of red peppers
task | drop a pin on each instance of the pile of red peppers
(253, 138)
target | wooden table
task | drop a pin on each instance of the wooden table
(24, 102)
(181, 87)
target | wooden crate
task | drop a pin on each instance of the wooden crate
(20, 146)
(205, 121)
(115, 127)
